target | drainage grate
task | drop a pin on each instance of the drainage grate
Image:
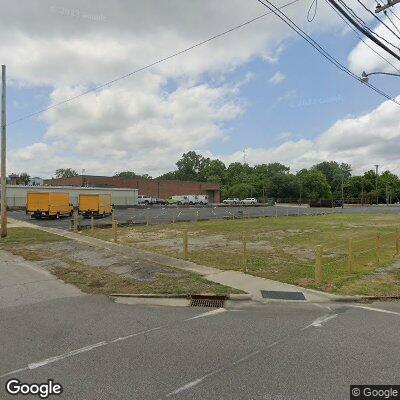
(207, 301)
(276, 295)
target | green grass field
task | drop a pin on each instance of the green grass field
(283, 248)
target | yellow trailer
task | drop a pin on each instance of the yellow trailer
(48, 204)
(95, 204)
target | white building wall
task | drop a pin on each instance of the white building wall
(16, 195)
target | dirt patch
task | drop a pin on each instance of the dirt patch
(61, 254)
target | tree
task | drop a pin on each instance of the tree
(191, 167)
(23, 178)
(131, 175)
(335, 174)
(240, 190)
(214, 171)
(65, 173)
(314, 185)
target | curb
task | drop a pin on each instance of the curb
(233, 297)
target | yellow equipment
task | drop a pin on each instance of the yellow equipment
(94, 204)
(48, 204)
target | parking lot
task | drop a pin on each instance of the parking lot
(172, 214)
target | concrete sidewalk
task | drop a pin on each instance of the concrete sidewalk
(22, 283)
(248, 283)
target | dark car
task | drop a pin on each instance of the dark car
(160, 201)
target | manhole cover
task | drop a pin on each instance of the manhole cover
(277, 295)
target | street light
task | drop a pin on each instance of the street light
(364, 75)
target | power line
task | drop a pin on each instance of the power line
(363, 30)
(281, 15)
(159, 61)
(391, 21)
(361, 38)
(376, 17)
(365, 26)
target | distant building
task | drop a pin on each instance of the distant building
(148, 187)
(35, 181)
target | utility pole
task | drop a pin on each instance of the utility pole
(3, 154)
(376, 183)
(383, 7)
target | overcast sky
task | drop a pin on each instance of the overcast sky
(260, 89)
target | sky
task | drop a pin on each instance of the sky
(259, 94)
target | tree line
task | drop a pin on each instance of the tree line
(325, 180)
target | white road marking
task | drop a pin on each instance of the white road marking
(197, 381)
(208, 314)
(376, 309)
(81, 350)
(91, 347)
(319, 321)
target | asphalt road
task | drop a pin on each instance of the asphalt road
(97, 349)
(159, 214)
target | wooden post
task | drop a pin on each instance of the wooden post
(147, 217)
(112, 216)
(378, 248)
(92, 223)
(287, 212)
(245, 269)
(185, 244)
(318, 265)
(75, 223)
(397, 241)
(276, 212)
(173, 217)
(196, 215)
(350, 256)
(298, 211)
(114, 227)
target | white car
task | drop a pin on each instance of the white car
(146, 200)
(231, 201)
(249, 200)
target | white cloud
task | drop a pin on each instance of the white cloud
(277, 78)
(372, 138)
(362, 58)
(145, 122)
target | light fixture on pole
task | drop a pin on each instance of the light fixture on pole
(364, 76)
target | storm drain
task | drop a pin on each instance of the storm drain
(277, 295)
(207, 301)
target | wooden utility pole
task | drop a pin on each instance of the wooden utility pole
(3, 155)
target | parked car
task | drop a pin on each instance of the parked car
(231, 200)
(160, 201)
(146, 200)
(249, 200)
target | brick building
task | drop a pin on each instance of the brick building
(151, 187)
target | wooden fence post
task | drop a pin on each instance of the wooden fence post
(245, 269)
(114, 227)
(92, 223)
(318, 265)
(350, 256)
(185, 244)
(147, 217)
(378, 248)
(75, 223)
(397, 241)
